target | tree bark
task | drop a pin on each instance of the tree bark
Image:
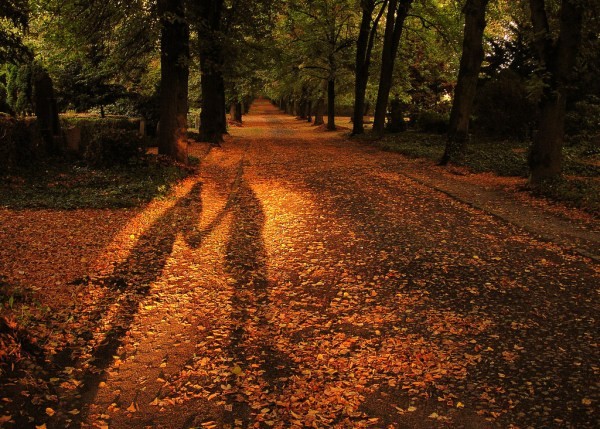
(558, 60)
(213, 115)
(364, 47)
(319, 108)
(468, 76)
(46, 111)
(396, 15)
(174, 80)
(331, 104)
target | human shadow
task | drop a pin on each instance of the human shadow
(251, 339)
(125, 288)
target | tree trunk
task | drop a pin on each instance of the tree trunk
(545, 156)
(213, 115)
(309, 111)
(364, 47)
(468, 75)
(238, 112)
(174, 80)
(396, 15)
(46, 111)
(397, 123)
(331, 104)
(319, 108)
(302, 109)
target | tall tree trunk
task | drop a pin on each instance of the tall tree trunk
(213, 114)
(309, 110)
(468, 75)
(46, 111)
(174, 80)
(238, 112)
(319, 108)
(396, 15)
(331, 104)
(558, 59)
(364, 47)
(302, 109)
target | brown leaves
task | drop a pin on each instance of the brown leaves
(316, 279)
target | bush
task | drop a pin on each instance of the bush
(114, 147)
(20, 142)
(582, 123)
(502, 108)
(93, 124)
(432, 122)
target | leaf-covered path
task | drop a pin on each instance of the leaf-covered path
(304, 281)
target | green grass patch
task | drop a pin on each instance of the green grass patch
(583, 193)
(63, 185)
(578, 187)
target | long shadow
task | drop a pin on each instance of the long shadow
(127, 285)
(250, 339)
(542, 328)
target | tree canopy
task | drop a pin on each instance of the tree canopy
(351, 57)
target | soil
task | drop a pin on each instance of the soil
(305, 280)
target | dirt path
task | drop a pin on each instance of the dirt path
(305, 281)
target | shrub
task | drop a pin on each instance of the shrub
(112, 146)
(20, 142)
(582, 123)
(432, 122)
(503, 109)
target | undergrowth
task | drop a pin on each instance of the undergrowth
(59, 184)
(578, 186)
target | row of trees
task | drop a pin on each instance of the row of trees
(161, 57)
(151, 58)
(549, 44)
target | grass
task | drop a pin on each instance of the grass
(64, 185)
(578, 187)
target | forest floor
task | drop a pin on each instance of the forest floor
(302, 279)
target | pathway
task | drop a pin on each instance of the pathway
(306, 281)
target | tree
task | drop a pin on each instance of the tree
(468, 75)
(96, 52)
(323, 32)
(396, 15)
(174, 79)
(364, 48)
(210, 43)
(16, 14)
(557, 59)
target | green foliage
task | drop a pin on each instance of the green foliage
(73, 186)
(114, 147)
(13, 22)
(19, 88)
(97, 52)
(414, 144)
(20, 143)
(579, 192)
(432, 122)
(583, 120)
(503, 108)
(108, 141)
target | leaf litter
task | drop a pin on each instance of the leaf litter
(291, 284)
